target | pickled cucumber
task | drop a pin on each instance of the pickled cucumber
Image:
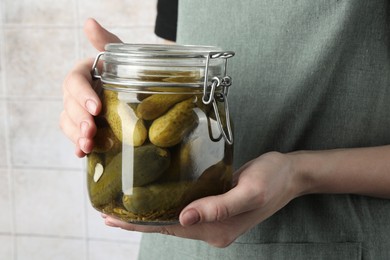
(173, 196)
(150, 162)
(179, 168)
(170, 76)
(105, 140)
(127, 127)
(217, 176)
(108, 186)
(156, 197)
(93, 160)
(216, 172)
(170, 129)
(156, 105)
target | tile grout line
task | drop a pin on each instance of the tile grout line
(68, 237)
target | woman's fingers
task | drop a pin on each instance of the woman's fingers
(242, 198)
(80, 117)
(81, 103)
(78, 86)
(72, 131)
(97, 35)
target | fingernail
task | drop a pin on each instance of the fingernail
(91, 106)
(84, 128)
(190, 217)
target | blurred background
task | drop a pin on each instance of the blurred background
(44, 207)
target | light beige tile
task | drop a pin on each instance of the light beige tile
(5, 202)
(98, 230)
(42, 248)
(6, 248)
(2, 87)
(37, 60)
(127, 34)
(117, 12)
(36, 139)
(49, 202)
(101, 250)
(1, 11)
(3, 125)
(46, 12)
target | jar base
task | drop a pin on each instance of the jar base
(155, 223)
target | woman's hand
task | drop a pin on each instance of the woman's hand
(263, 186)
(267, 183)
(81, 102)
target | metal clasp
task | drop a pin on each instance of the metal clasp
(95, 72)
(209, 95)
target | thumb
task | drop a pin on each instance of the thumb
(217, 208)
(97, 35)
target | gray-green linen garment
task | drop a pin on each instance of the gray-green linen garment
(308, 74)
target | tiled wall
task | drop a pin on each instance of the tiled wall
(45, 213)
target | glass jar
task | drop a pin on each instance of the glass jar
(163, 137)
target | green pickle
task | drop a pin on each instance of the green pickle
(156, 105)
(171, 128)
(124, 123)
(161, 197)
(161, 142)
(104, 181)
(150, 162)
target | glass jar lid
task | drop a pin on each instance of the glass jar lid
(143, 67)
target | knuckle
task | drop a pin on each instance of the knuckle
(214, 212)
(221, 212)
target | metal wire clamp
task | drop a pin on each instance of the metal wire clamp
(210, 96)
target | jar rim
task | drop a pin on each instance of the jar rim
(161, 50)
